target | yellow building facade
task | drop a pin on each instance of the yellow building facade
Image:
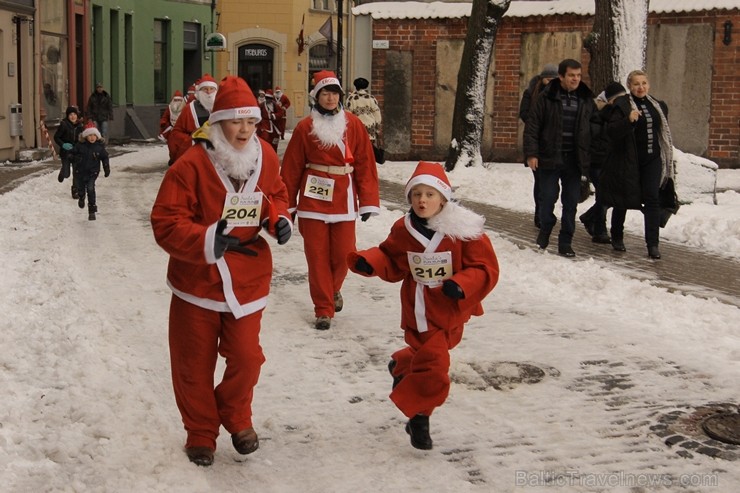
(263, 45)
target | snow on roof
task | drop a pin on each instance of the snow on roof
(444, 10)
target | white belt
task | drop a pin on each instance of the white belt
(332, 170)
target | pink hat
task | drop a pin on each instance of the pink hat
(430, 174)
(234, 100)
(324, 79)
(90, 129)
(206, 81)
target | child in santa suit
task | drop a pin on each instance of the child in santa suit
(193, 116)
(329, 171)
(208, 215)
(447, 264)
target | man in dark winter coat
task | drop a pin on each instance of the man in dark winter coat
(536, 84)
(557, 138)
(100, 109)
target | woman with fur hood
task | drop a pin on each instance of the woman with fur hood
(440, 251)
(639, 162)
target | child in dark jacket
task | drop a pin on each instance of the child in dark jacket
(66, 137)
(447, 264)
(88, 155)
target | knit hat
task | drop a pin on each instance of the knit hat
(234, 100)
(361, 83)
(90, 130)
(613, 90)
(325, 79)
(431, 174)
(206, 81)
(72, 109)
(549, 71)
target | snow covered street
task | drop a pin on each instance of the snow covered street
(572, 381)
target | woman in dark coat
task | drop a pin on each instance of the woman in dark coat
(639, 162)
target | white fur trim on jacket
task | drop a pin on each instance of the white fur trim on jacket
(457, 222)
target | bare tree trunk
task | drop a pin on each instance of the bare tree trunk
(618, 41)
(472, 79)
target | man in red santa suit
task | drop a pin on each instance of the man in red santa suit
(193, 116)
(208, 215)
(329, 171)
(284, 103)
(170, 115)
(267, 128)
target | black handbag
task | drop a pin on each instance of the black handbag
(668, 202)
(379, 154)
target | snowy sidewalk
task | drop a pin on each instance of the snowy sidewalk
(683, 269)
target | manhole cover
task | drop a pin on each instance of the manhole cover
(723, 427)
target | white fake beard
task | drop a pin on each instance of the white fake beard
(237, 164)
(329, 129)
(207, 100)
(175, 110)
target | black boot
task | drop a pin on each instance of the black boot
(543, 239)
(92, 209)
(81, 201)
(653, 252)
(75, 193)
(418, 429)
(618, 244)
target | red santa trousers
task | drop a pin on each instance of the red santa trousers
(197, 336)
(326, 246)
(424, 366)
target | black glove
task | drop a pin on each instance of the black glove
(222, 242)
(106, 171)
(365, 216)
(452, 290)
(361, 265)
(282, 231)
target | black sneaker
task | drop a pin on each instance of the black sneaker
(418, 429)
(81, 201)
(566, 251)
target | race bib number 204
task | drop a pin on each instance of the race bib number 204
(243, 209)
(430, 269)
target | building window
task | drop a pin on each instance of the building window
(326, 5)
(161, 32)
(54, 65)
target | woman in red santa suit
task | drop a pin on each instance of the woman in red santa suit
(329, 171)
(208, 215)
(447, 264)
(193, 116)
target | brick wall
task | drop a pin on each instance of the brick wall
(419, 36)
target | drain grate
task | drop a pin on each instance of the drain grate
(724, 427)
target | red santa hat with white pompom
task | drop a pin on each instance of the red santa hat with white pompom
(234, 100)
(206, 81)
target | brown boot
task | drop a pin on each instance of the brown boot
(202, 456)
(246, 441)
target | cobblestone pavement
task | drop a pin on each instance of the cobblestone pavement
(683, 269)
